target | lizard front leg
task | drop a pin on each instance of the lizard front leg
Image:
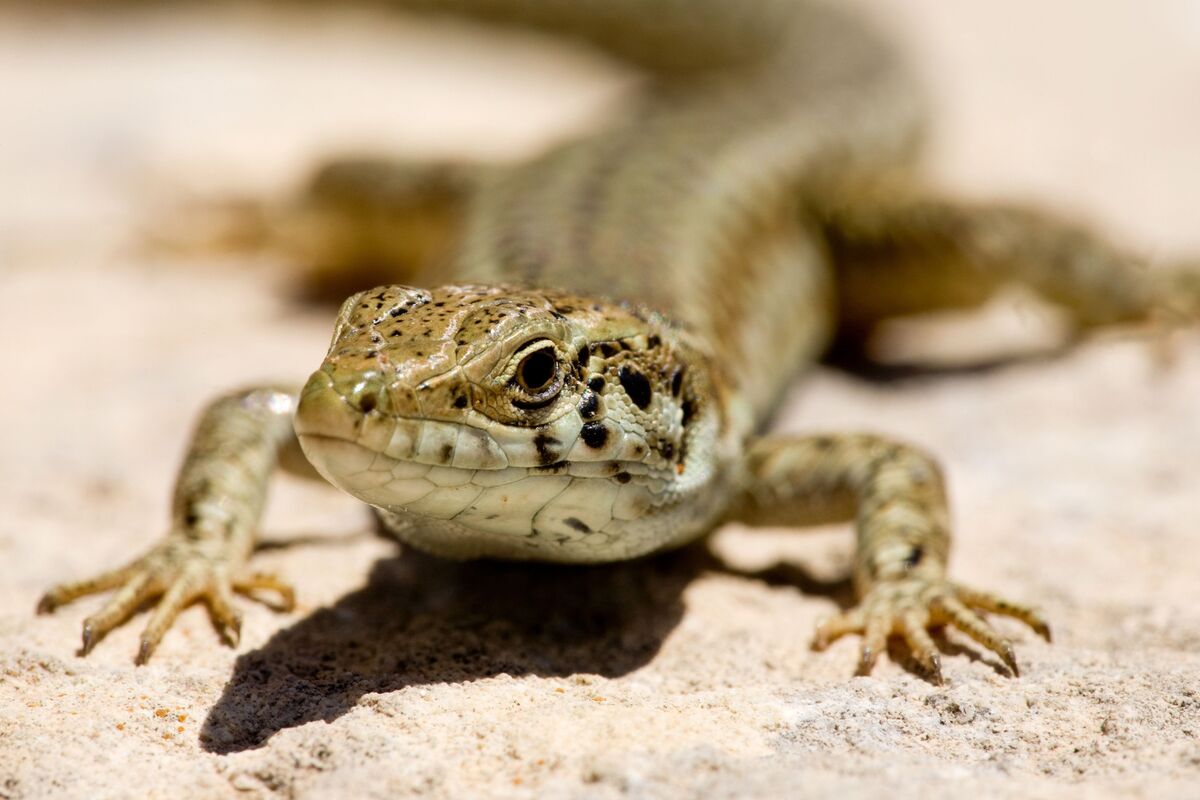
(218, 500)
(896, 496)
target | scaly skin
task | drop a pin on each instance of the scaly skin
(614, 322)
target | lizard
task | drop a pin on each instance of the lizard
(575, 358)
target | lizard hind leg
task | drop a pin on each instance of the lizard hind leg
(363, 222)
(902, 248)
(355, 222)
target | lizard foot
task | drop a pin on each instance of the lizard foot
(909, 607)
(178, 573)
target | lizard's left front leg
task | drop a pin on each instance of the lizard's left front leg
(896, 496)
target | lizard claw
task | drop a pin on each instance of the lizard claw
(178, 573)
(909, 607)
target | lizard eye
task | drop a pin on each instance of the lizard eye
(537, 371)
(538, 378)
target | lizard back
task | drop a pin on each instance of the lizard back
(692, 204)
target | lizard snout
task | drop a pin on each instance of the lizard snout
(336, 406)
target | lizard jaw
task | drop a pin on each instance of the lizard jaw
(457, 490)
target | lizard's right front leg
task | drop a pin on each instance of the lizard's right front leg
(218, 500)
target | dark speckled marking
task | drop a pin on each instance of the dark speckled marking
(596, 383)
(589, 405)
(689, 410)
(544, 443)
(577, 524)
(622, 477)
(594, 434)
(460, 401)
(447, 453)
(635, 385)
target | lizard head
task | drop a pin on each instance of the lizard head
(503, 421)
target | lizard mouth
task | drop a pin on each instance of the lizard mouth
(488, 478)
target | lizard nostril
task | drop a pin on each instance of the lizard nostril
(365, 395)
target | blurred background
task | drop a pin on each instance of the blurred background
(107, 112)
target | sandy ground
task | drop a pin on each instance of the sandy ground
(687, 675)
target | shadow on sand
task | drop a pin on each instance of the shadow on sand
(421, 620)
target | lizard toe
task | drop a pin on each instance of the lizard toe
(909, 607)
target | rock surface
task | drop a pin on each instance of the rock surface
(685, 675)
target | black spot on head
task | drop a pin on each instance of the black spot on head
(666, 450)
(395, 333)
(607, 349)
(653, 341)
(589, 405)
(447, 453)
(677, 382)
(596, 383)
(543, 444)
(460, 401)
(622, 477)
(689, 410)
(395, 312)
(577, 524)
(594, 434)
(636, 386)
(914, 557)
(581, 357)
